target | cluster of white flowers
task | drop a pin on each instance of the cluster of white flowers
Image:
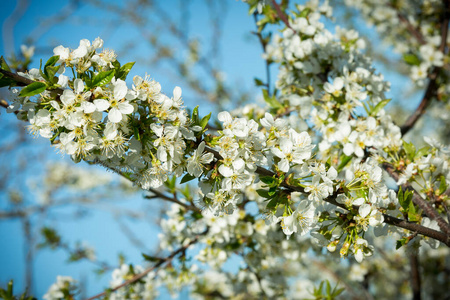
(63, 288)
(394, 24)
(149, 136)
(146, 288)
(98, 118)
(318, 179)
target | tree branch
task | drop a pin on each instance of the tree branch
(413, 30)
(414, 227)
(281, 15)
(432, 87)
(331, 199)
(148, 270)
(22, 81)
(264, 47)
(415, 275)
(171, 199)
(420, 202)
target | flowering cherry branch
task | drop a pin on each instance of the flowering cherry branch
(291, 168)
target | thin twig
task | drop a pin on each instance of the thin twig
(264, 48)
(415, 275)
(148, 270)
(432, 87)
(414, 227)
(282, 15)
(22, 81)
(413, 30)
(420, 202)
(171, 199)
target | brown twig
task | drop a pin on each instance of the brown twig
(22, 81)
(413, 30)
(431, 90)
(420, 202)
(415, 275)
(264, 48)
(442, 237)
(148, 270)
(281, 15)
(171, 199)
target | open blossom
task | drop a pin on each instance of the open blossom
(361, 249)
(301, 220)
(64, 286)
(368, 215)
(117, 104)
(198, 159)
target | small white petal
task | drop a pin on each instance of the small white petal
(126, 108)
(78, 85)
(115, 115)
(177, 93)
(101, 104)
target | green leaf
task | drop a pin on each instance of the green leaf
(423, 151)
(195, 115)
(412, 214)
(5, 81)
(400, 196)
(116, 65)
(328, 288)
(186, 178)
(171, 183)
(205, 121)
(124, 70)
(271, 101)
(150, 258)
(304, 13)
(272, 190)
(52, 61)
(50, 71)
(33, 89)
(102, 78)
(379, 106)
(410, 150)
(267, 180)
(272, 204)
(411, 59)
(259, 82)
(4, 64)
(400, 243)
(263, 193)
(344, 161)
(337, 292)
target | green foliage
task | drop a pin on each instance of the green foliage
(51, 238)
(102, 78)
(271, 100)
(7, 294)
(33, 89)
(344, 161)
(410, 150)
(186, 178)
(50, 69)
(379, 107)
(411, 59)
(122, 72)
(325, 292)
